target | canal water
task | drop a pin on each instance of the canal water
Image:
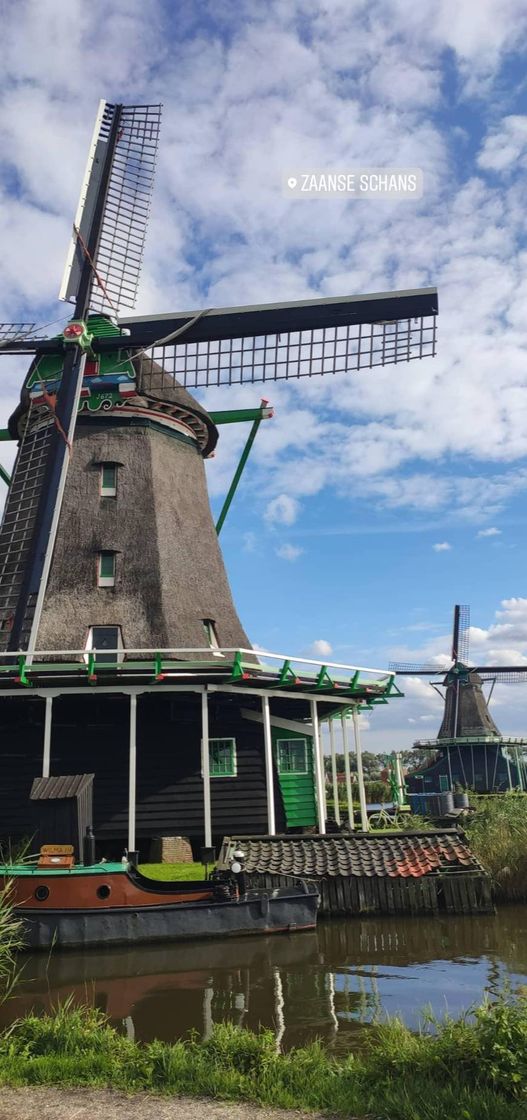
(329, 984)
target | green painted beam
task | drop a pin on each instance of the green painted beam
(242, 415)
(238, 474)
(5, 434)
(5, 476)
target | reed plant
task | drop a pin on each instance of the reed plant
(497, 832)
(474, 1068)
(11, 941)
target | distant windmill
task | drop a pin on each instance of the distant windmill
(473, 753)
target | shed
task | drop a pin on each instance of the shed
(63, 809)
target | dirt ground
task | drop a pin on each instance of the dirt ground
(104, 1104)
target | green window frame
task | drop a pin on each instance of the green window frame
(291, 756)
(444, 783)
(108, 480)
(106, 569)
(222, 758)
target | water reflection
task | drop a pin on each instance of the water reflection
(326, 984)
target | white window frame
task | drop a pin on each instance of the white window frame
(209, 627)
(224, 739)
(105, 490)
(293, 773)
(103, 625)
(106, 581)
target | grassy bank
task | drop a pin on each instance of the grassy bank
(497, 832)
(169, 871)
(466, 1071)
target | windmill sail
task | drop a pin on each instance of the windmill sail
(274, 342)
(102, 271)
(122, 226)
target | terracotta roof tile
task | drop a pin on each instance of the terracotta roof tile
(407, 856)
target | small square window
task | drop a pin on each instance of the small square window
(222, 758)
(106, 569)
(108, 480)
(102, 638)
(291, 756)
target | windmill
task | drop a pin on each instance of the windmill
(472, 751)
(107, 544)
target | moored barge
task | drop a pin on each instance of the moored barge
(114, 904)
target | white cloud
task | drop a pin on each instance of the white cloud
(506, 144)
(282, 510)
(322, 647)
(289, 552)
(491, 532)
(443, 546)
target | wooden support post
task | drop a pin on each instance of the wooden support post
(205, 768)
(269, 772)
(132, 772)
(449, 761)
(507, 760)
(360, 774)
(334, 771)
(319, 770)
(347, 770)
(399, 778)
(46, 757)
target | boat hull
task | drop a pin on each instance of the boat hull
(283, 910)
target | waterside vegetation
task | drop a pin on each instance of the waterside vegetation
(470, 1069)
(497, 834)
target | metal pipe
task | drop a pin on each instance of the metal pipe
(132, 773)
(269, 773)
(334, 771)
(318, 768)
(46, 757)
(360, 774)
(205, 768)
(347, 770)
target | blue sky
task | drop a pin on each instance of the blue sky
(375, 501)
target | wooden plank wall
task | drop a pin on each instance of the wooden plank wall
(90, 734)
(454, 893)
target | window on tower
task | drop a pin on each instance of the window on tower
(108, 480)
(209, 627)
(106, 569)
(102, 638)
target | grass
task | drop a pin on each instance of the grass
(497, 833)
(169, 871)
(467, 1070)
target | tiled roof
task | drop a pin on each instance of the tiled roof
(393, 855)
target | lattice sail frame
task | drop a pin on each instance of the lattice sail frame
(295, 354)
(15, 332)
(119, 253)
